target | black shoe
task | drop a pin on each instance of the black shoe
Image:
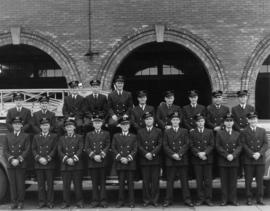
(155, 204)
(79, 205)
(20, 206)
(13, 206)
(260, 202)
(50, 206)
(199, 203)
(120, 204)
(249, 202)
(145, 204)
(131, 205)
(189, 203)
(41, 205)
(104, 204)
(223, 203)
(166, 204)
(209, 203)
(94, 204)
(234, 203)
(64, 206)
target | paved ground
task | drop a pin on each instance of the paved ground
(31, 201)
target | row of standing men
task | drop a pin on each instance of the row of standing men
(117, 108)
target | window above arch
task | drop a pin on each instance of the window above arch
(162, 70)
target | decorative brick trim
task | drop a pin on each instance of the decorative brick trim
(122, 47)
(49, 46)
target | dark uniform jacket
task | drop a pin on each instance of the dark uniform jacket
(137, 115)
(176, 142)
(228, 144)
(71, 147)
(150, 142)
(163, 113)
(120, 104)
(188, 114)
(125, 146)
(45, 147)
(215, 117)
(73, 107)
(25, 114)
(97, 144)
(92, 105)
(16, 147)
(254, 142)
(202, 142)
(39, 115)
(240, 116)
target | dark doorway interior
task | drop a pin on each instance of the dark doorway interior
(157, 67)
(262, 93)
(24, 66)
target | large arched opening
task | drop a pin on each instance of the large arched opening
(157, 67)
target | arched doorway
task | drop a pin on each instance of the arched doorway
(158, 67)
(262, 93)
(25, 66)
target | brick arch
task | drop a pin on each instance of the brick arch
(49, 46)
(253, 65)
(178, 36)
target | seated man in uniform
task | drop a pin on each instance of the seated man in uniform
(120, 103)
(240, 111)
(44, 147)
(73, 106)
(44, 113)
(216, 112)
(189, 111)
(20, 111)
(124, 147)
(138, 111)
(94, 104)
(165, 109)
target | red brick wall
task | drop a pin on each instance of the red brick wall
(231, 28)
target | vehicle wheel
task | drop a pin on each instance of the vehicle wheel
(266, 187)
(3, 185)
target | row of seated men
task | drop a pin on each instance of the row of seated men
(119, 102)
(147, 145)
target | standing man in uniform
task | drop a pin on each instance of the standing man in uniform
(73, 106)
(95, 104)
(137, 112)
(43, 113)
(120, 103)
(240, 111)
(44, 148)
(150, 143)
(124, 147)
(255, 143)
(70, 149)
(228, 147)
(189, 111)
(16, 148)
(20, 111)
(165, 109)
(202, 145)
(216, 112)
(97, 143)
(176, 145)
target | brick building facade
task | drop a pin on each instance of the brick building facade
(230, 38)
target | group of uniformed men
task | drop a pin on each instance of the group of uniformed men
(202, 131)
